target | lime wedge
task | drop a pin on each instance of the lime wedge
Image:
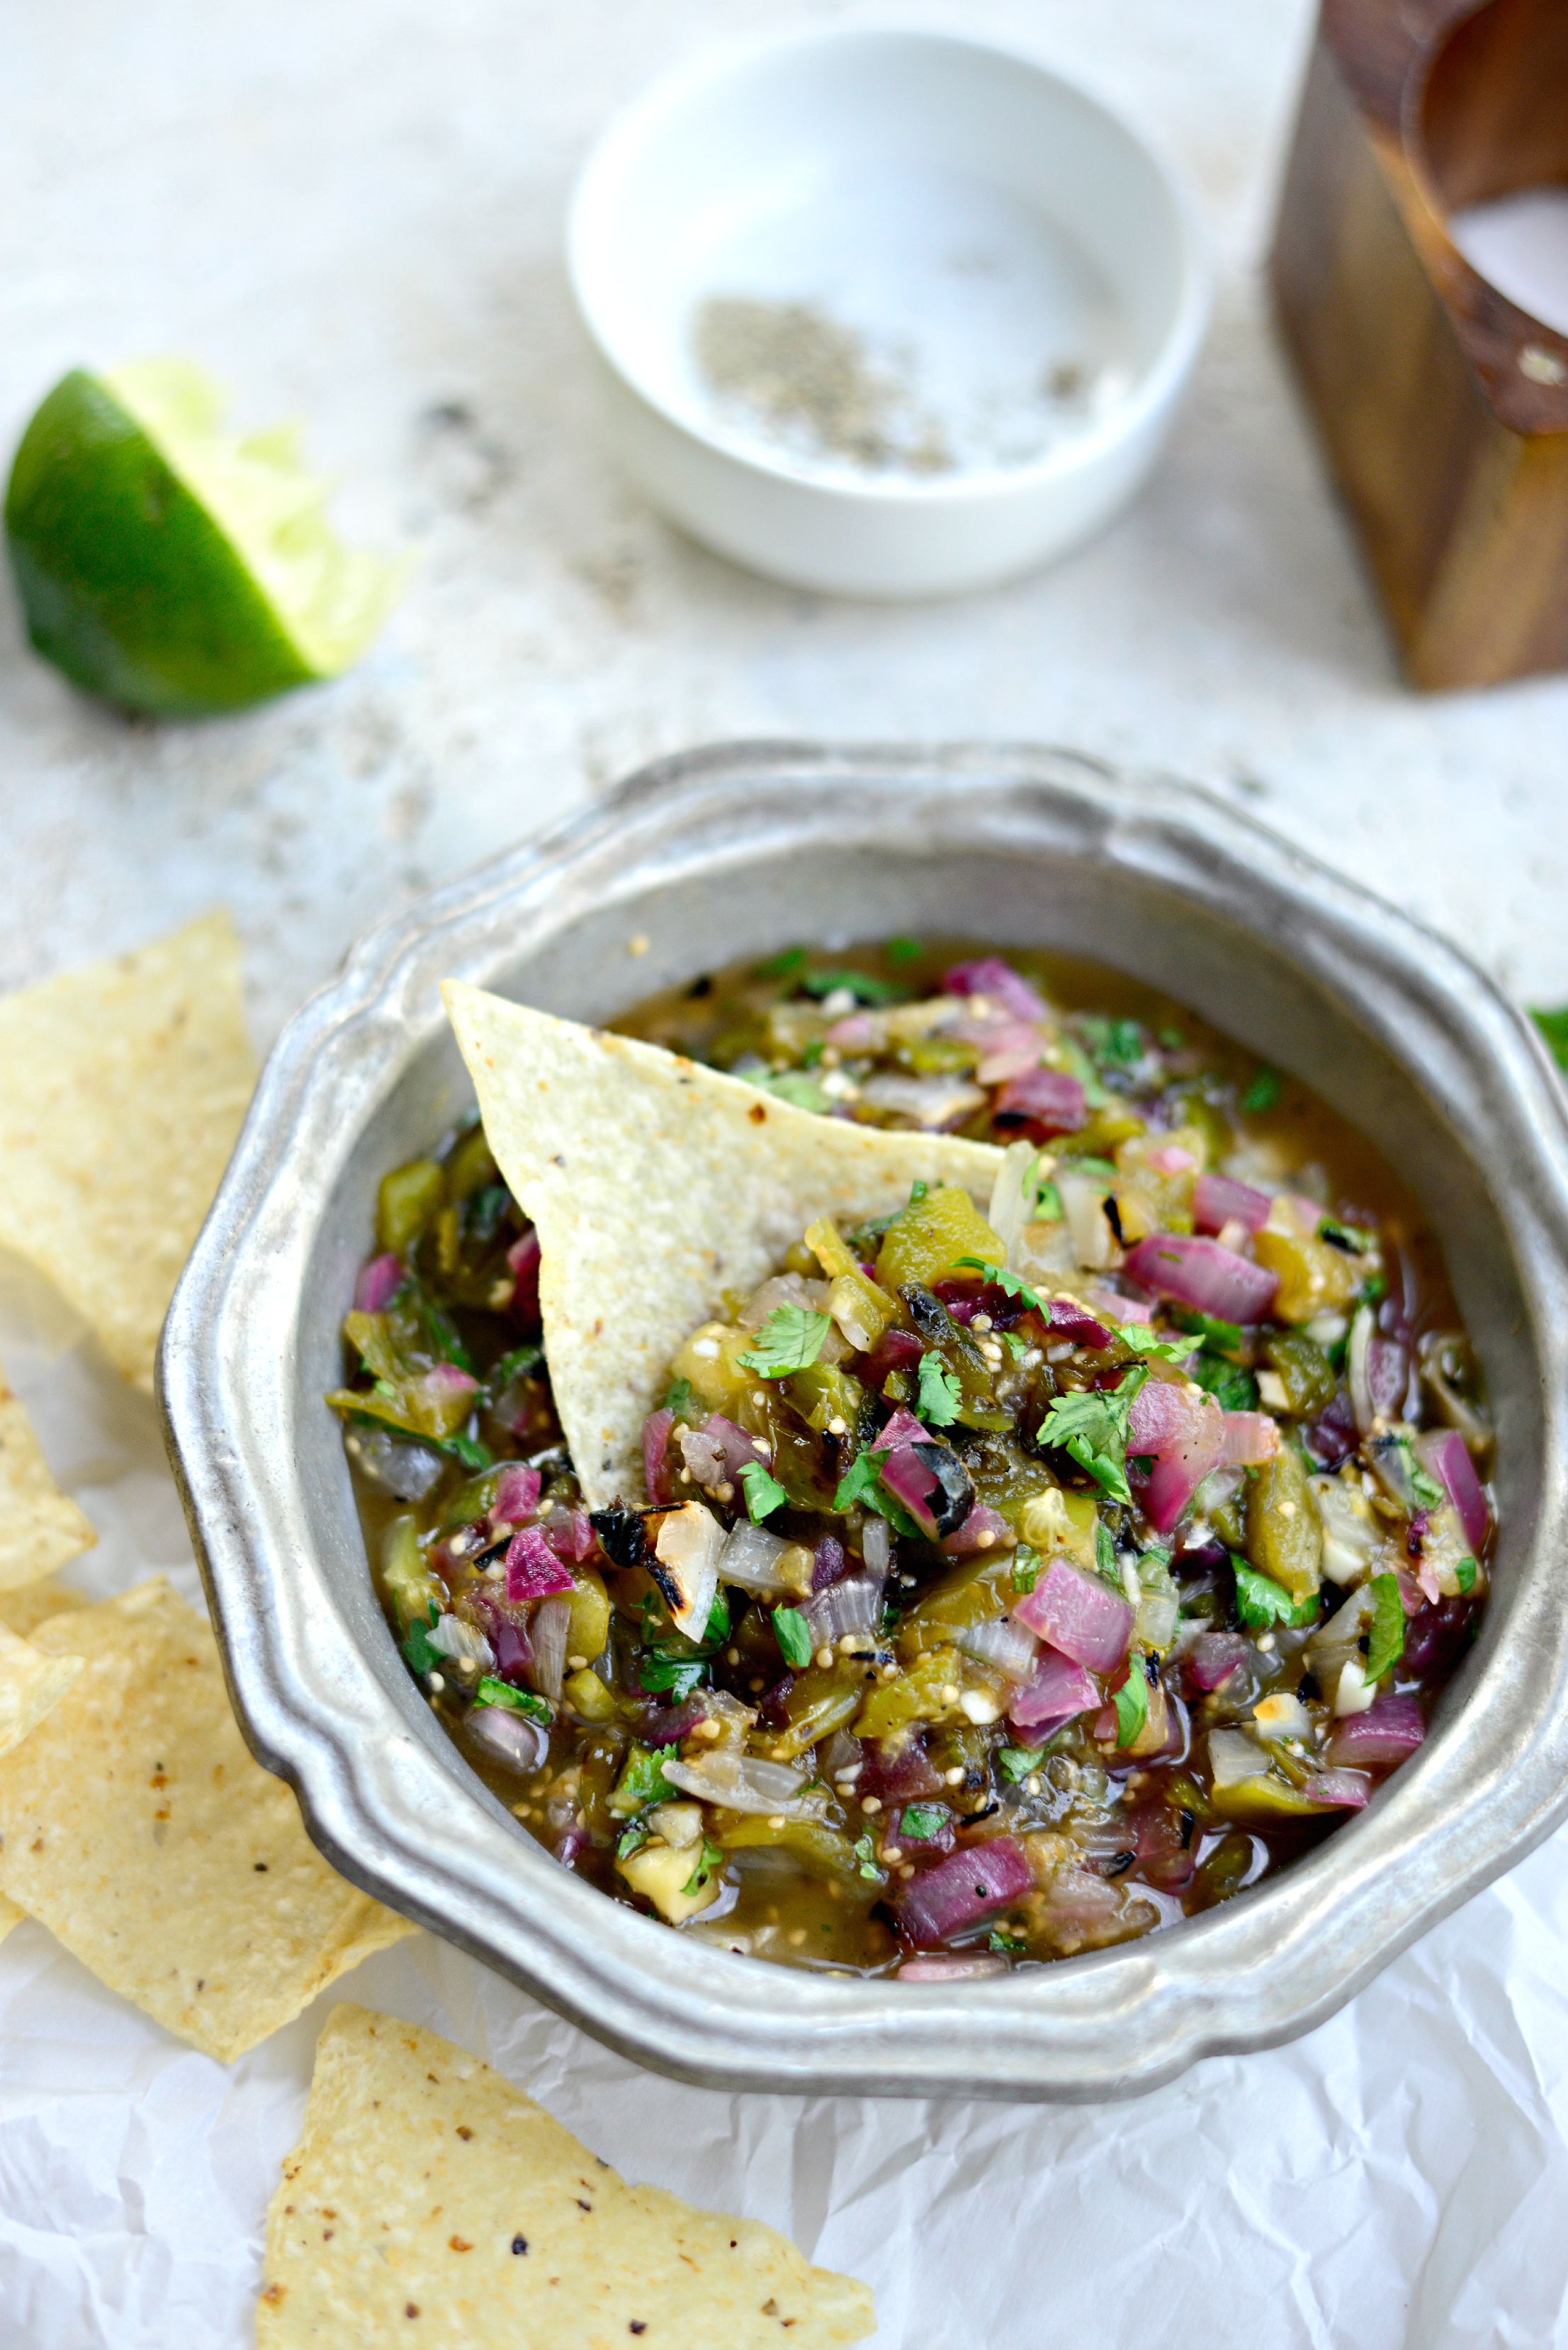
(173, 567)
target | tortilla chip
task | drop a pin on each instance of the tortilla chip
(429, 2201)
(9, 1916)
(23, 1611)
(656, 1184)
(135, 1826)
(40, 1527)
(121, 1090)
(31, 1685)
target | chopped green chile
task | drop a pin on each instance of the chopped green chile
(867, 1691)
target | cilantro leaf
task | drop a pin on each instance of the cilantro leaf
(780, 966)
(709, 1860)
(862, 1482)
(789, 1340)
(1131, 1702)
(1010, 1943)
(671, 1668)
(918, 1191)
(866, 1860)
(678, 1399)
(643, 1781)
(793, 1636)
(918, 1822)
(417, 1644)
(1264, 1091)
(1219, 1338)
(939, 1393)
(1007, 1281)
(717, 1625)
(1091, 1427)
(1106, 1552)
(764, 1495)
(1348, 1237)
(1143, 1339)
(513, 1365)
(1465, 1574)
(1260, 1601)
(1386, 1643)
(1232, 1388)
(1026, 1569)
(491, 1691)
(1019, 1761)
(631, 1839)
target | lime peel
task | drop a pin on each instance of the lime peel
(174, 567)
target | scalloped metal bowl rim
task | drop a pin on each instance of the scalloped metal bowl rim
(388, 1809)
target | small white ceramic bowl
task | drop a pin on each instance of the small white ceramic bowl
(1018, 279)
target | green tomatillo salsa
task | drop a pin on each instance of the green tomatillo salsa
(1010, 1578)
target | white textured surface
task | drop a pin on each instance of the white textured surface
(354, 212)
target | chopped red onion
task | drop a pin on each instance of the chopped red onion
(903, 1427)
(570, 1534)
(1167, 1852)
(1007, 1049)
(1435, 1638)
(896, 1350)
(656, 1431)
(1077, 1613)
(984, 1529)
(1046, 1100)
(1075, 1322)
(830, 1561)
(548, 1634)
(897, 1774)
(962, 1890)
(717, 1452)
(931, 1483)
(378, 1283)
(1171, 1159)
(1058, 1689)
(989, 975)
(1202, 1275)
(1182, 1431)
(1347, 1791)
(532, 1570)
(1445, 1456)
(1389, 1730)
(514, 1651)
(445, 1379)
(1218, 1202)
(516, 1495)
(523, 1260)
(1005, 1643)
(858, 1031)
(1250, 1439)
(507, 1737)
(1213, 1657)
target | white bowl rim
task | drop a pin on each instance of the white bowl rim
(1156, 385)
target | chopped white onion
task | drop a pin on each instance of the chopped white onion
(1233, 1757)
(1356, 1365)
(463, 1642)
(1083, 1201)
(688, 1546)
(933, 1103)
(548, 1638)
(1005, 1643)
(853, 1604)
(1013, 1195)
(1352, 1537)
(782, 1289)
(1282, 1715)
(756, 1560)
(1355, 1693)
(741, 1783)
(876, 1546)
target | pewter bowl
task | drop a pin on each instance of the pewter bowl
(735, 852)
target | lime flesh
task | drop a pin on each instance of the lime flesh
(173, 568)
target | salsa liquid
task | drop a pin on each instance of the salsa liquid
(1264, 1602)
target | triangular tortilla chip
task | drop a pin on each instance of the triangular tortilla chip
(429, 2201)
(122, 1086)
(136, 1826)
(40, 1527)
(25, 1609)
(656, 1184)
(31, 1685)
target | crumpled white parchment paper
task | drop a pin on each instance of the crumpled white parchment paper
(1396, 2181)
